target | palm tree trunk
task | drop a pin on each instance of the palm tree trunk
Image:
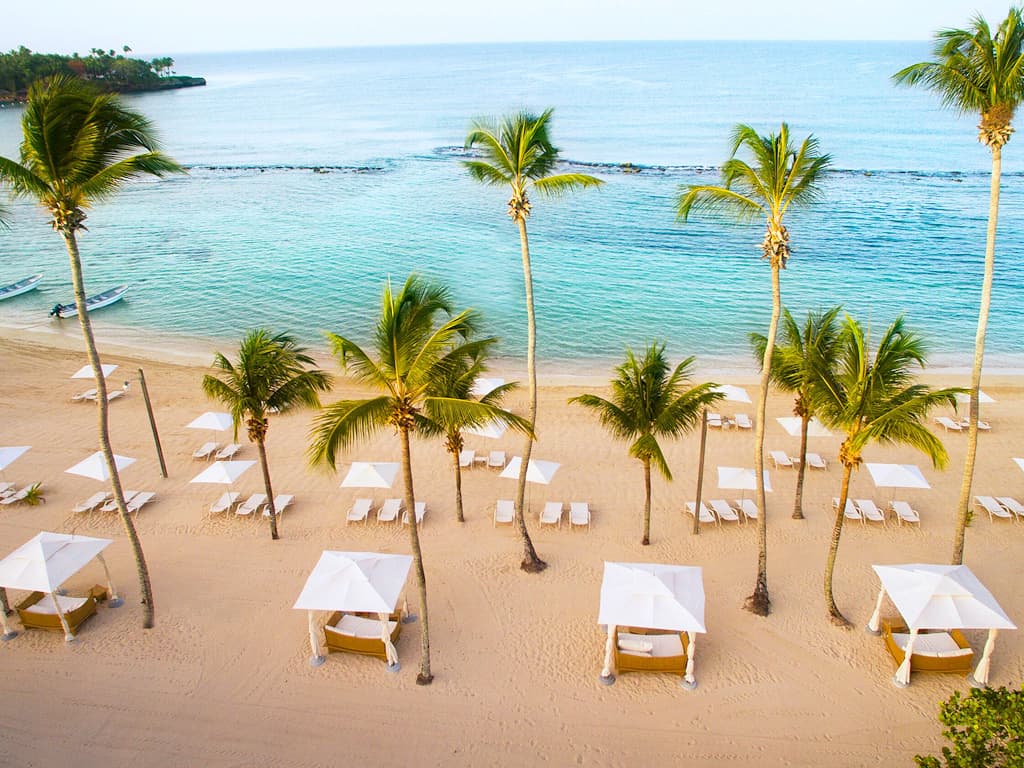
(700, 469)
(647, 503)
(833, 549)
(964, 503)
(801, 470)
(268, 489)
(102, 406)
(531, 563)
(424, 677)
(759, 602)
(458, 489)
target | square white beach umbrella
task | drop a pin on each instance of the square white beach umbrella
(484, 385)
(371, 474)
(537, 471)
(491, 429)
(1020, 463)
(814, 427)
(213, 420)
(11, 453)
(95, 466)
(965, 397)
(897, 475)
(735, 394)
(85, 372)
(223, 472)
(741, 479)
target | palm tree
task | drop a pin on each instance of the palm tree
(978, 72)
(796, 364)
(418, 342)
(76, 150)
(780, 178)
(517, 151)
(649, 400)
(273, 374)
(875, 401)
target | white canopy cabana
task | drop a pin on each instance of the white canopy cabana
(354, 581)
(652, 596)
(939, 597)
(45, 562)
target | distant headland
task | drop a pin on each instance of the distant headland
(108, 70)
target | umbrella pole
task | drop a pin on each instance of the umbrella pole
(608, 673)
(689, 681)
(314, 642)
(115, 601)
(68, 637)
(876, 617)
(980, 677)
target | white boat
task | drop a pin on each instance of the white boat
(20, 287)
(98, 301)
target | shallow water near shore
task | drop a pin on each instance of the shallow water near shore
(316, 175)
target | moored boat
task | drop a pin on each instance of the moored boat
(20, 287)
(98, 301)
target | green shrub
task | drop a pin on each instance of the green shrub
(986, 730)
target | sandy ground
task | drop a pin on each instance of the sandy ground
(223, 679)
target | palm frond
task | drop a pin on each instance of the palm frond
(563, 183)
(342, 424)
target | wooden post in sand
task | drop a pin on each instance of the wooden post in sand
(700, 469)
(152, 423)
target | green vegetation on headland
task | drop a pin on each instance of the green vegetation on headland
(108, 70)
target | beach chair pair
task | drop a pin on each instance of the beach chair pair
(206, 451)
(13, 497)
(715, 511)
(281, 502)
(360, 510)
(90, 504)
(948, 424)
(90, 395)
(1004, 507)
(742, 421)
(864, 510)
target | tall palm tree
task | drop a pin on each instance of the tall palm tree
(796, 363)
(417, 341)
(781, 177)
(978, 72)
(77, 149)
(650, 400)
(517, 152)
(875, 400)
(273, 374)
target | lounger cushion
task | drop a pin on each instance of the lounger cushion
(357, 626)
(931, 644)
(635, 643)
(67, 604)
(660, 646)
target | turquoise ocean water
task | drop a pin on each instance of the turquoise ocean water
(255, 236)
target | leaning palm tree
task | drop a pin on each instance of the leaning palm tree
(76, 150)
(781, 177)
(978, 72)
(418, 341)
(273, 374)
(875, 400)
(650, 400)
(796, 363)
(517, 152)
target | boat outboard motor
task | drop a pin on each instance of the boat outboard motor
(56, 310)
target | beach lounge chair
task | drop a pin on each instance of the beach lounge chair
(747, 508)
(38, 612)
(904, 512)
(111, 505)
(814, 461)
(13, 498)
(228, 451)
(706, 516)
(850, 511)
(466, 458)
(869, 511)
(742, 421)
(948, 424)
(91, 503)
(933, 651)
(648, 650)
(5, 487)
(352, 633)
(983, 426)
(421, 512)
(116, 393)
(579, 514)
(281, 502)
(359, 511)
(81, 397)
(140, 500)
(504, 512)
(496, 459)
(388, 512)
(993, 507)
(715, 420)
(723, 511)
(551, 514)
(1010, 504)
(251, 505)
(205, 451)
(780, 459)
(112, 395)
(225, 502)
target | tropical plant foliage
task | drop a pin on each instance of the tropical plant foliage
(984, 729)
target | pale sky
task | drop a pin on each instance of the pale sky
(181, 26)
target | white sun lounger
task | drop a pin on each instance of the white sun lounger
(388, 512)
(496, 459)
(112, 395)
(281, 502)
(1011, 505)
(17, 496)
(228, 451)
(205, 451)
(869, 511)
(359, 511)
(89, 394)
(948, 424)
(724, 512)
(225, 502)
(91, 503)
(850, 511)
(993, 507)
(983, 426)
(111, 505)
(747, 507)
(904, 512)
(715, 420)
(579, 514)
(139, 500)
(706, 516)
(504, 512)
(421, 512)
(251, 505)
(814, 461)
(742, 421)
(780, 459)
(551, 514)
(466, 458)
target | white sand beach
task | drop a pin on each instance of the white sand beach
(223, 679)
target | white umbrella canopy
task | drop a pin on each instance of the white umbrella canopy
(484, 385)
(95, 466)
(965, 397)
(537, 471)
(11, 453)
(491, 429)
(85, 372)
(941, 597)
(736, 394)
(741, 479)
(214, 420)
(814, 427)
(371, 474)
(653, 596)
(897, 476)
(1020, 463)
(355, 581)
(47, 560)
(223, 472)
